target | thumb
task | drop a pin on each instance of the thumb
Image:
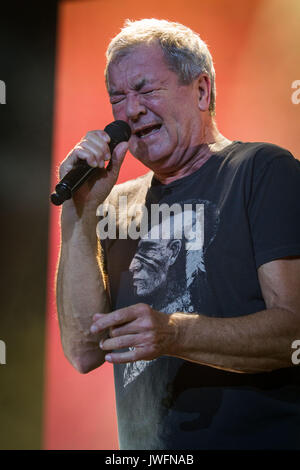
(117, 158)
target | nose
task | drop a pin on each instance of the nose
(134, 108)
(135, 265)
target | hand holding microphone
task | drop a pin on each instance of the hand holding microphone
(87, 159)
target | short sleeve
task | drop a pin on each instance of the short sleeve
(274, 208)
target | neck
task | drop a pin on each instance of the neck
(212, 141)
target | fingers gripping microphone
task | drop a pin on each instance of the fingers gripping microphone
(118, 131)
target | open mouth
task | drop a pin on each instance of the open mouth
(148, 131)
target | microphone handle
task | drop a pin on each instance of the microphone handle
(72, 181)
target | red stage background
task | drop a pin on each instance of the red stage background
(255, 46)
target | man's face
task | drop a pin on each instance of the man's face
(150, 265)
(163, 115)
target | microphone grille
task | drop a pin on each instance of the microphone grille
(118, 131)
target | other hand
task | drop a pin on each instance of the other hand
(151, 333)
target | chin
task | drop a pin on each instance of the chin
(153, 161)
(149, 155)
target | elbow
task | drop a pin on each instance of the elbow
(80, 365)
(85, 362)
(77, 363)
(84, 365)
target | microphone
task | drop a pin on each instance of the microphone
(118, 131)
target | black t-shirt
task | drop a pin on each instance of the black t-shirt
(242, 210)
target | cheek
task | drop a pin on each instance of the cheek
(119, 112)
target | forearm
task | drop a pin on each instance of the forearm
(253, 343)
(80, 293)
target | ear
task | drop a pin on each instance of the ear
(174, 246)
(203, 90)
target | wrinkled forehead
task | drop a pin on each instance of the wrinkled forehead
(143, 63)
(138, 53)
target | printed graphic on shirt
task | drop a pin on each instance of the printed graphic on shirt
(168, 269)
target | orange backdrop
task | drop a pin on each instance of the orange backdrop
(255, 45)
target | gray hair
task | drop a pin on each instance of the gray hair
(185, 52)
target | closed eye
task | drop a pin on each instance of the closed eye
(147, 92)
(117, 100)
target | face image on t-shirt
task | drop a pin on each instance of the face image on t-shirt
(169, 262)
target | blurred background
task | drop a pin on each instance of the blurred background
(52, 62)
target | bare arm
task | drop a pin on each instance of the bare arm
(253, 343)
(80, 286)
(80, 293)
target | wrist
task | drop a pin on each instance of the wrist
(78, 226)
(184, 327)
(176, 325)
